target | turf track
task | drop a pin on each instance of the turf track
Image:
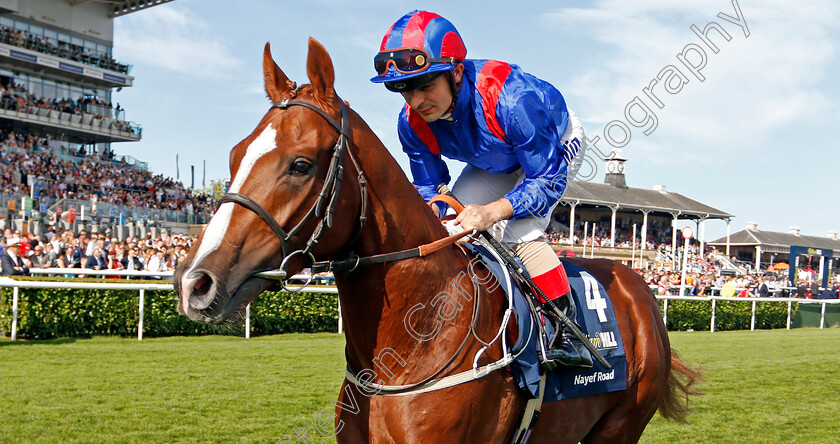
(761, 387)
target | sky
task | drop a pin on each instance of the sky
(748, 129)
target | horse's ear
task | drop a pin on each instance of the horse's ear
(276, 82)
(319, 68)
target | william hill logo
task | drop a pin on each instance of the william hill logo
(604, 340)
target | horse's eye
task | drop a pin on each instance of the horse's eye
(300, 167)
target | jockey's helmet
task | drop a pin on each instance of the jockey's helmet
(416, 49)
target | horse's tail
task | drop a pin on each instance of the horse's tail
(683, 376)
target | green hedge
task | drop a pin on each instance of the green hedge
(729, 315)
(55, 313)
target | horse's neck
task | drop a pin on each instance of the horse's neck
(376, 300)
(400, 218)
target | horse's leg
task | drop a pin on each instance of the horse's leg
(352, 410)
(570, 420)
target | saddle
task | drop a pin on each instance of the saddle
(595, 315)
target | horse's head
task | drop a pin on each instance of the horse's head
(273, 210)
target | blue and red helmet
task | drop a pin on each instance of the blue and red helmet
(416, 49)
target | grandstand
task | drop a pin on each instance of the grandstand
(765, 249)
(57, 77)
(613, 208)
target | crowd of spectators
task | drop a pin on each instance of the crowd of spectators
(15, 97)
(705, 275)
(110, 182)
(96, 251)
(40, 43)
(657, 234)
(708, 282)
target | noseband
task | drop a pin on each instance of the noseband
(324, 206)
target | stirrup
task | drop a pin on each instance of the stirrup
(553, 355)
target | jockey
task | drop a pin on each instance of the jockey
(520, 142)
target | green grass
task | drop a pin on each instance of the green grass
(197, 389)
(766, 386)
(761, 387)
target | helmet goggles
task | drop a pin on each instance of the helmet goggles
(406, 61)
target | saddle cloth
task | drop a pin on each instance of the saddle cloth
(596, 317)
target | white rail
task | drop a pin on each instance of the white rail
(754, 300)
(90, 272)
(17, 285)
(6, 282)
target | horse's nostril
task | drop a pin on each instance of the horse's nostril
(202, 285)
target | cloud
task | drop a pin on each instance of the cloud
(175, 39)
(756, 88)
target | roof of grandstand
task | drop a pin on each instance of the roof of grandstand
(123, 7)
(750, 237)
(655, 201)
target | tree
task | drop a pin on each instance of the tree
(216, 190)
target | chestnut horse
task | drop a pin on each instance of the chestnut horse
(285, 207)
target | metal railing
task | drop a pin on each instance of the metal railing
(112, 211)
(754, 301)
(6, 282)
(90, 271)
(17, 285)
(82, 120)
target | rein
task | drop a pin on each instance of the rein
(421, 251)
(476, 372)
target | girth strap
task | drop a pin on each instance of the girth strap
(530, 415)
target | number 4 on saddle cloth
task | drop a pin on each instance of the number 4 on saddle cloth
(597, 319)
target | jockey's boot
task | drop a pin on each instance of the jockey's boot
(565, 349)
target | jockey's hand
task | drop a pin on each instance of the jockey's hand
(482, 217)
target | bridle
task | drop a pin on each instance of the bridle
(324, 209)
(324, 206)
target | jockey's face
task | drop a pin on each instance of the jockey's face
(432, 100)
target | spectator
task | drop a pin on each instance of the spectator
(96, 261)
(763, 290)
(132, 262)
(69, 258)
(830, 292)
(40, 43)
(109, 182)
(39, 258)
(728, 289)
(157, 262)
(745, 292)
(12, 263)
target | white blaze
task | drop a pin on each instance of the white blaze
(218, 226)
